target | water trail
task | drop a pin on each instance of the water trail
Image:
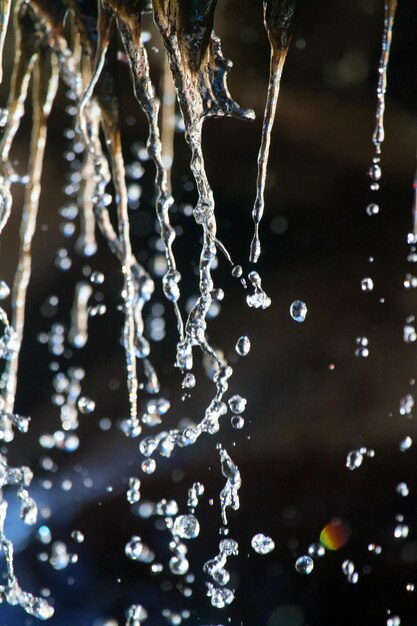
(5, 6)
(78, 332)
(144, 285)
(86, 242)
(229, 496)
(108, 101)
(278, 18)
(168, 120)
(199, 72)
(45, 83)
(129, 292)
(390, 7)
(129, 25)
(27, 46)
(414, 206)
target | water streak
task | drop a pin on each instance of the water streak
(390, 7)
(278, 18)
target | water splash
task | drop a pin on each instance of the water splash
(195, 66)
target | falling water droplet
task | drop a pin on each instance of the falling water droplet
(133, 548)
(362, 350)
(262, 544)
(405, 444)
(4, 290)
(78, 536)
(401, 531)
(237, 404)
(86, 405)
(298, 310)
(188, 381)
(133, 493)
(97, 278)
(402, 489)
(304, 565)
(148, 466)
(367, 284)
(186, 527)
(372, 209)
(243, 345)
(354, 459)
(394, 621)
(237, 422)
(316, 550)
(4, 116)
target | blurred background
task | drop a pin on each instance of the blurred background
(310, 399)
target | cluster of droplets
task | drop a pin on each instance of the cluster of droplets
(10, 591)
(221, 596)
(354, 458)
(348, 569)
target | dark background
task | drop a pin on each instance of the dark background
(302, 417)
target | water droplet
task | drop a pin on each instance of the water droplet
(304, 565)
(375, 548)
(97, 278)
(237, 404)
(133, 548)
(243, 345)
(372, 209)
(375, 172)
(78, 536)
(86, 405)
(188, 381)
(186, 527)
(316, 550)
(362, 350)
(178, 565)
(4, 116)
(405, 444)
(219, 597)
(409, 331)
(348, 567)
(29, 511)
(401, 531)
(148, 466)
(4, 290)
(133, 493)
(298, 310)
(354, 459)
(237, 422)
(406, 404)
(402, 489)
(367, 284)
(262, 544)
